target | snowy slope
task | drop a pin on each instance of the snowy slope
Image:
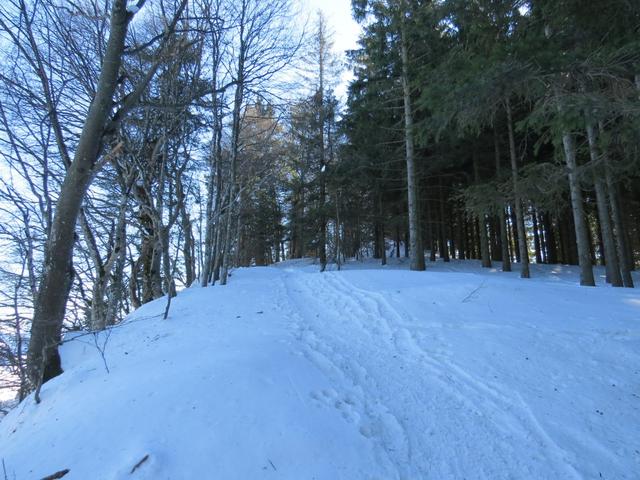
(367, 373)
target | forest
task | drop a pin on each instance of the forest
(151, 146)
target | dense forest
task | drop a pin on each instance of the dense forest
(147, 147)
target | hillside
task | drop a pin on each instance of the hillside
(367, 373)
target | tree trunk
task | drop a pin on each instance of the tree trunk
(214, 183)
(619, 230)
(323, 181)
(431, 227)
(482, 223)
(536, 236)
(416, 251)
(185, 223)
(235, 141)
(606, 230)
(442, 226)
(225, 255)
(49, 309)
(550, 239)
(462, 244)
(494, 239)
(577, 207)
(504, 240)
(522, 232)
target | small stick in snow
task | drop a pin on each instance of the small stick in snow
(469, 297)
(139, 464)
(56, 475)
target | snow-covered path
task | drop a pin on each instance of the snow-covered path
(398, 380)
(366, 373)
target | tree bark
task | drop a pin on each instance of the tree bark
(611, 258)
(235, 143)
(482, 223)
(536, 236)
(504, 240)
(619, 230)
(522, 232)
(49, 310)
(416, 251)
(442, 231)
(322, 117)
(577, 207)
(550, 238)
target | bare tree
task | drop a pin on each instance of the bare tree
(97, 131)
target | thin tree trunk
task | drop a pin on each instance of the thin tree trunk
(536, 236)
(235, 140)
(606, 230)
(444, 250)
(550, 238)
(619, 230)
(482, 222)
(323, 166)
(504, 241)
(225, 256)
(513, 224)
(431, 227)
(185, 222)
(522, 232)
(338, 231)
(212, 212)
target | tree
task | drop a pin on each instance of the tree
(97, 130)
(396, 17)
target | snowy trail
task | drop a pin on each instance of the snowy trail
(363, 374)
(393, 378)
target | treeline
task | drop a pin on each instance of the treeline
(514, 126)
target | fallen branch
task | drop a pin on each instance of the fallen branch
(469, 297)
(137, 465)
(56, 475)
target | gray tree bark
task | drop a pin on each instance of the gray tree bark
(416, 251)
(504, 240)
(522, 232)
(43, 358)
(577, 207)
(611, 257)
(482, 223)
(235, 140)
(618, 225)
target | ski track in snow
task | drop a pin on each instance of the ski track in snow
(380, 375)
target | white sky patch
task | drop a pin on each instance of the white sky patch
(346, 31)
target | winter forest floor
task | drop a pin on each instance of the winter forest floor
(367, 373)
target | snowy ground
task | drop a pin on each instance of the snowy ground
(368, 373)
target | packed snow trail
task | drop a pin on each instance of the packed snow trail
(368, 373)
(464, 426)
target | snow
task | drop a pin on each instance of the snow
(366, 373)
(133, 8)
